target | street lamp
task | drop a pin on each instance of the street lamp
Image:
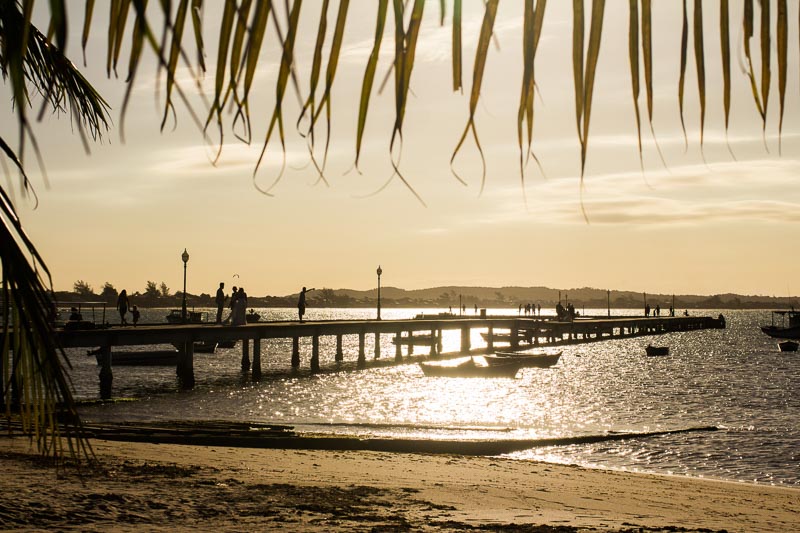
(379, 272)
(185, 257)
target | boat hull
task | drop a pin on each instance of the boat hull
(782, 333)
(657, 350)
(524, 360)
(788, 346)
(467, 370)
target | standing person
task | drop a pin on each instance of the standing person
(136, 314)
(220, 301)
(122, 306)
(301, 302)
(239, 309)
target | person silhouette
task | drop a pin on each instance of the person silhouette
(122, 306)
(220, 301)
(301, 302)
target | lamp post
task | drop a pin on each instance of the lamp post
(185, 257)
(379, 272)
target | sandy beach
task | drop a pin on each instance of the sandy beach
(160, 487)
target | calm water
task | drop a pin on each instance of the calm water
(735, 379)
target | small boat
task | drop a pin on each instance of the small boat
(226, 344)
(252, 316)
(792, 331)
(788, 346)
(205, 346)
(164, 357)
(657, 350)
(175, 316)
(535, 360)
(469, 369)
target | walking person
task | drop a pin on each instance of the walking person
(220, 301)
(122, 306)
(301, 302)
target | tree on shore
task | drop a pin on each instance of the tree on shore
(34, 64)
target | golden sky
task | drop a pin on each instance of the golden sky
(705, 223)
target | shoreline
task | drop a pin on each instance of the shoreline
(177, 487)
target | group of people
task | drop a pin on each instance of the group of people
(123, 304)
(237, 305)
(566, 314)
(530, 309)
(657, 310)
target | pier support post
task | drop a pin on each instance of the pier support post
(410, 343)
(514, 341)
(106, 376)
(245, 355)
(186, 365)
(315, 353)
(256, 358)
(466, 346)
(490, 340)
(339, 353)
(433, 343)
(377, 345)
(295, 352)
(439, 341)
(398, 346)
(362, 358)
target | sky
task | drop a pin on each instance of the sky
(702, 223)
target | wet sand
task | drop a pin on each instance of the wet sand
(170, 487)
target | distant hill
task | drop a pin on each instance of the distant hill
(488, 297)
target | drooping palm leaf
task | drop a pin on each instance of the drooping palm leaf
(484, 40)
(783, 50)
(700, 64)
(457, 85)
(369, 76)
(682, 77)
(725, 47)
(747, 22)
(633, 59)
(766, 70)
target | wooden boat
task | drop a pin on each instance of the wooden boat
(657, 350)
(252, 316)
(205, 346)
(226, 344)
(533, 360)
(788, 346)
(469, 369)
(175, 316)
(164, 357)
(792, 331)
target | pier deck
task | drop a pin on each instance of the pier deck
(515, 332)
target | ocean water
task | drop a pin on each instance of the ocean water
(734, 379)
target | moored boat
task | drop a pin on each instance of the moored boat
(470, 369)
(165, 357)
(535, 360)
(788, 346)
(656, 350)
(790, 331)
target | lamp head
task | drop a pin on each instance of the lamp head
(380, 270)
(185, 256)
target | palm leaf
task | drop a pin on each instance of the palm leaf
(577, 62)
(766, 72)
(725, 47)
(682, 78)
(748, 35)
(700, 64)
(457, 84)
(484, 40)
(783, 45)
(633, 59)
(369, 76)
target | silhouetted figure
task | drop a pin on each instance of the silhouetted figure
(646, 309)
(136, 314)
(540, 309)
(220, 301)
(74, 315)
(559, 311)
(122, 306)
(476, 309)
(658, 310)
(239, 309)
(301, 302)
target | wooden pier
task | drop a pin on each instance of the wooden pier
(514, 332)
